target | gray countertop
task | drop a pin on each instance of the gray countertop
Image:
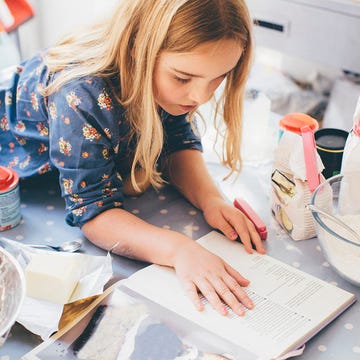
(43, 222)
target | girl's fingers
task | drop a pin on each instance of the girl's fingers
(233, 226)
(234, 230)
(227, 229)
(254, 238)
(208, 291)
(248, 235)
(221, 294)
(228, 297)
(191, 291)
(232, 222)
(236, 276)
(235, 282)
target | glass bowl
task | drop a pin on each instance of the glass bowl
(340, 245)
(12, 292)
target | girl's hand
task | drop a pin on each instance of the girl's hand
(199, 270)
(233, 224)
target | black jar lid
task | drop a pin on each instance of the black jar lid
(331, 138)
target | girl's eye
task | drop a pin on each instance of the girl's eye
(182, 80)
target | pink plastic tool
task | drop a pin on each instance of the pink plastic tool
(242, 205)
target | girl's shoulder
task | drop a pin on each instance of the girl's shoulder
(33, 69)
(36, 60)
(92, 85)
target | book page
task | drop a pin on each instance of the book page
(289, 304)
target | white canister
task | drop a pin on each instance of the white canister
(10, 214)
(349, 196)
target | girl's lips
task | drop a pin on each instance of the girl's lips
(188, 108)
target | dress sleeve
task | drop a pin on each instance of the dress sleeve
(180, 134)
(85, 125)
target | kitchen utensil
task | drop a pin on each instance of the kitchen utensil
(337, 220)
(68, 246)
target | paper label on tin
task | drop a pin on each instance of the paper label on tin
(10, 209)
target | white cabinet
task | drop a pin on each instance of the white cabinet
(323, 31)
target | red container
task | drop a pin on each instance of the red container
(9, 199)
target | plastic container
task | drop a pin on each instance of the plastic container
(295, 121)
(296, 174)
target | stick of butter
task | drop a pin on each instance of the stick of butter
(52, 277)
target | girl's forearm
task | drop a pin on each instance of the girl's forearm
(129, 236)
(188, 173)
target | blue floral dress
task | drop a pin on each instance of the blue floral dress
(81, 131)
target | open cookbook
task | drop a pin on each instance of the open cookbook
(148, 316)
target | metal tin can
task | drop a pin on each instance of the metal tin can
(10, 214)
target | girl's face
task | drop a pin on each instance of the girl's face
(183, 81)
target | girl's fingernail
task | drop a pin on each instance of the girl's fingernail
(249, 304)
(233, 234)
(239, 310)
(200, 306)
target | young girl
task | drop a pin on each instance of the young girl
(112, 109)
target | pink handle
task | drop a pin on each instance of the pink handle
(243, 206)
(356, 120)
(312, 174)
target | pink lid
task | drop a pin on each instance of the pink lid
(295, 121)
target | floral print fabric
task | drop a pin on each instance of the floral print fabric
(81, 131)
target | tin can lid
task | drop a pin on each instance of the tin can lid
(8, 179)
(295, 121)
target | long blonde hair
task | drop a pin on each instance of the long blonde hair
(128, 46)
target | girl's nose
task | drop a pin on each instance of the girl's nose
(199, 95)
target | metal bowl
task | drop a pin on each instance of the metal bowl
(12, 292)
(340, 245)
